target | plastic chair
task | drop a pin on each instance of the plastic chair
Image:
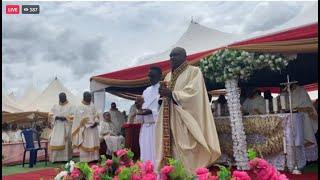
(29, 136)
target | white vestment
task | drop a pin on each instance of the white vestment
(85, 137)
(301, 99)
(60, 142)
(132, 118)
(256, 103)
(117, 119)
(113, 140)
(194, 137)
(5, 137)
(147, 132)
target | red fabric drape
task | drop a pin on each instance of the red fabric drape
(305, 32)
(310, 87)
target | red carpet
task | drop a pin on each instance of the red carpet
(49, 174)
(46, 174)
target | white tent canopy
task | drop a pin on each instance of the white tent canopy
(50, 96)
(12, 96)
(198, 38)
(30, 94)
(10, 105)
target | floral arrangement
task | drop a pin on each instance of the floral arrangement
(121, 167)
(228, 64)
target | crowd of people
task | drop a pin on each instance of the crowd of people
(11, 132)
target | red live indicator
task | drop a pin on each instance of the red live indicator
(12, 9)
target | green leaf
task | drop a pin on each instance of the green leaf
(85, 169)
(251, 154)
(125, 174)
(105, 177)
(224, 173)
(103, 160)
(130, 154)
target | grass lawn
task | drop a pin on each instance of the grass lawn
(8, 170)
(313, 167)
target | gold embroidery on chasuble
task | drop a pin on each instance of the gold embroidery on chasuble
(167, 152)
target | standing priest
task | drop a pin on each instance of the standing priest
(60, 142)
(185, 129)
(85, 135)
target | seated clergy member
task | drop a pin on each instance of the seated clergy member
(302, 103)
(110, 135)
(254, 104)
(221, 105)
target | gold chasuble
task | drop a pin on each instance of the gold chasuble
(186, 130)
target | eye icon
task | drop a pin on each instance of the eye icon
(25, 9)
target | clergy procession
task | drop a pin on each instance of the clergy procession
(236, 103)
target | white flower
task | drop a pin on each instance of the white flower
(72, 165)
(261, 57)
(61, 175)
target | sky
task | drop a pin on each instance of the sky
(77, 40)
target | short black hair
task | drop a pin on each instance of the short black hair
(157, 69)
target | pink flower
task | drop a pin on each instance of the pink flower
(166, 170)
(118, 171)
(94, 167)
(261, 163)
(240, 175)
(75, 173)
(140, 165)
(109, 162)
(131, 163)
(283, 177)
(96, 177)
(135, 177)
(214, 178)
(163, 177)
(202, 170)
(115, 178)
(148, 167)
(121, 152)
(204, 176)
(101, 170)
(150, 176)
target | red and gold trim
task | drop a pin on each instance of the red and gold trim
(166, 131)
